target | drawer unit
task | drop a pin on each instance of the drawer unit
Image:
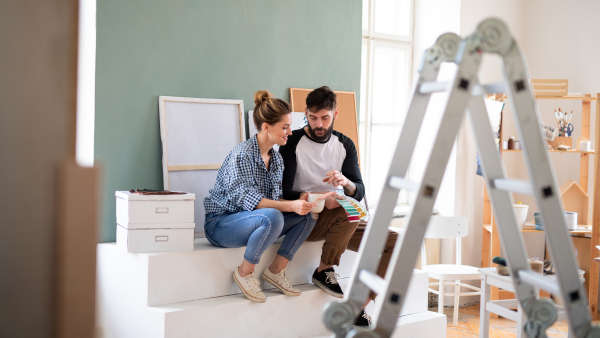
(155, 240)
(158, 209)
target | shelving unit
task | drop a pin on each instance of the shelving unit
(491, 239)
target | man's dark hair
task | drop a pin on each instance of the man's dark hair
(321, 98)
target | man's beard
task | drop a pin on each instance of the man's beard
(325, 136)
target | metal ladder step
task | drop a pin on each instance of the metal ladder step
(511, 185)
(401, 183)
(540, 281)
(372, 281)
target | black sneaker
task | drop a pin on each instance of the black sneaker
(327, 281)
(363, 320)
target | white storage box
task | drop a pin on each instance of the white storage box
(156, 239)
(155, 223)
(157, 209)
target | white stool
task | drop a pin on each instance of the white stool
(489, 277)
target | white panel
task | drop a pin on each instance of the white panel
(155, 211)
(131, 226)
(198, 182)
(200, 133)
(155, 240)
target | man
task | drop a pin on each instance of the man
(317, 159)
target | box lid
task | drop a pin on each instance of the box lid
(126, 195)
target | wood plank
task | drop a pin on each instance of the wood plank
(486, 241)
(567, 97)
(557, 87)
(550, 81)
(584, 162)
(594, 268)
(76, 250)
(584, 168)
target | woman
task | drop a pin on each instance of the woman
(243, 209)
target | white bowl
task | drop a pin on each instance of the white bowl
(320, 203)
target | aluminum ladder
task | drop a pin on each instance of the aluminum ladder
(466, 95)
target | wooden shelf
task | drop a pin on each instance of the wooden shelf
(555, 151)
(567, 97)
(491, 240)
(488, 227)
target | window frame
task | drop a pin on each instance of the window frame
(370, 40)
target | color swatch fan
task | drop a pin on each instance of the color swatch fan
(354, 210)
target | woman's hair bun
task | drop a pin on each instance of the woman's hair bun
(268, 109)
(262, 96)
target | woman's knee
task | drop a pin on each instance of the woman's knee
(273, 219)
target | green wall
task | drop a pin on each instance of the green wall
(207, 49)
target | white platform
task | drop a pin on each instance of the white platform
(192, 294)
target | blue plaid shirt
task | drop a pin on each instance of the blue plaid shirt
(244, 180)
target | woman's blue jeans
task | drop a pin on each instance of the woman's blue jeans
(257, 230)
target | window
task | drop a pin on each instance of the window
(385, 85)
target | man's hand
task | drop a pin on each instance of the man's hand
(337, 179)
(331, 201)
(301, 207)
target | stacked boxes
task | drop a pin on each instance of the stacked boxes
(155, 223)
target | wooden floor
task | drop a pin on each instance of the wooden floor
(468, 325)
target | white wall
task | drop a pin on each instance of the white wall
(433, 18)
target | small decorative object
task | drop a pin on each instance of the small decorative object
(511, 142)
(504, 145)
(561, 140)
(521, 213)
(538, 221)
(576, 200)
(563, 119)
(584, 144)
(571, 220)
(536, 265)
(563, 147)
(517, 145)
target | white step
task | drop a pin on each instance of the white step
(174, 277)
(126, 282)
(419, 325)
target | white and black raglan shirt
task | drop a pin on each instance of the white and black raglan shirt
(307, 163)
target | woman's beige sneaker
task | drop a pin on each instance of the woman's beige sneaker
(249, 286)
(281, 281)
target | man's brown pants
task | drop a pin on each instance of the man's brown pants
(339, 233)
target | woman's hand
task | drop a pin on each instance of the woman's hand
(301, 207)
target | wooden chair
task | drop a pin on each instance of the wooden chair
(450, 274)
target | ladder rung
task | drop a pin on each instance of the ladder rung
(490, 88)
(433, 87)
(538, 280)
(401, 183)
(518, 186)
(372, 281)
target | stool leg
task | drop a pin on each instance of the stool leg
(484, 315)
(441, 296)
(521, 318)
(456, 302)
